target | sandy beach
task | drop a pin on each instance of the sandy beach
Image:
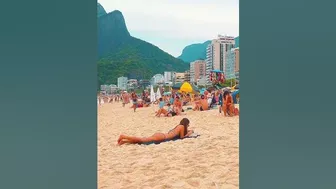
(209, 161)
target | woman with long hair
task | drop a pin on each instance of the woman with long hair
(228, 106)
(179, 132)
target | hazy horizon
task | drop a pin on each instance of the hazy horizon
(186, 23)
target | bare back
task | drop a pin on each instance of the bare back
(178, 131)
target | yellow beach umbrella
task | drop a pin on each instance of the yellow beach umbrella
(186, 87)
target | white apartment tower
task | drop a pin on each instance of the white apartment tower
(122, 83)
(217, 51)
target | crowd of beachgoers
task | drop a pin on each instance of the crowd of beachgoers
(172, 103)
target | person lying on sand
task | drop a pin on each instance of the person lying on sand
(179, 132)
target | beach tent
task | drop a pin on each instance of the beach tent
(152, 94)
(158, 93)
(186, 87)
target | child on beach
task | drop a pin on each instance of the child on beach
(161, 108)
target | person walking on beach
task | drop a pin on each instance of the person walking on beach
(179, 132)
(123, 98)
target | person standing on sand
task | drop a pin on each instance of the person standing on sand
(135, 100)
(179, 132)
(123, 98)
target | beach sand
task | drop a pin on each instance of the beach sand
(209, 161)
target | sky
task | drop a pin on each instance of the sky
(174, 24)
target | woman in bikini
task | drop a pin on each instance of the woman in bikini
(179, 132)
(135, 101)
(228, 106)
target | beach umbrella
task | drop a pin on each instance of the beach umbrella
(152, 94)
(158, 94)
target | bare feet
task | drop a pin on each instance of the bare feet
(122, 142)
(121, 137)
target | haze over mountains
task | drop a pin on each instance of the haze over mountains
(120, 54)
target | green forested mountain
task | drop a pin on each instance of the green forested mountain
(194, 52)
(120, 54)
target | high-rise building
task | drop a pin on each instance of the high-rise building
(230, 64)
(168, 77)
(197, 70)
(237, 59)
(122, 83)
(237, 42)
(216, 54)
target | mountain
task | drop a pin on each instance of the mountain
(194, 52)
(100, 10)
(120, 54)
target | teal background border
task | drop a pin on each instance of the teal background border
(48, 124)
(287, 126)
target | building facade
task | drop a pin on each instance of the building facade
(217, 52)
(179, 77)
(202, 81)
(157, 79)
(237, 42)
(197, 70)
(168, 77)
(122, 83)
(109, 89)
(230, 64)
(187, 75)
(237, 60)
(132, 84)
